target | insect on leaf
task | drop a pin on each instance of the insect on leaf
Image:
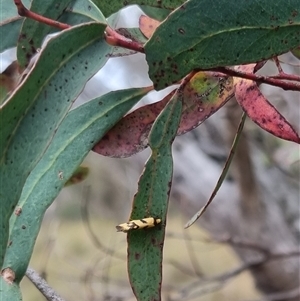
(144, 223)
(145, 247)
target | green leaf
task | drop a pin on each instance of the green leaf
(76, 135)
(203, 95)
(10, 22)
(33, 32)
(9, 292)
(296, 52)
(205, 34)
(13, 27)
(86, 8)
(156, 13)
(110, 7)
(145, 247)
(9, 10)
(79, 11)
(30, 117)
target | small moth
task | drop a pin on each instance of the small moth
(136, 224)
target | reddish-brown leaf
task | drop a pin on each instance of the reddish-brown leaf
(148, 25)
(258, 108)
(203, 96)
(130, 135)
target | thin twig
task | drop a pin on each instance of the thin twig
(221, 279)
(191, 253)
(94, 238)
(49, 293)
(280, 296)
(277, 82)
(277, 63)
(113, 38)
(24, 12)
(243, 244)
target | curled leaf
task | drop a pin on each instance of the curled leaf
(260, 110)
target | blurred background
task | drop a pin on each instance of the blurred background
(228, 254)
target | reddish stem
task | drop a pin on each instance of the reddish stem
(282, 75)
(286, 76)
(277, 63)
(277, 82)
(24, 12)
(115, 39)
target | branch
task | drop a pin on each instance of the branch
(49, 293)
(24, 12)
(113, 38)
(217, 282)
(273, 81)
(281, 296)
(94, 238)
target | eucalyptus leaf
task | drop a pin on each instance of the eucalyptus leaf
(205, 34)
(32, 115)
(89, 123)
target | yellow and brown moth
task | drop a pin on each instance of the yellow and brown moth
(148, 222)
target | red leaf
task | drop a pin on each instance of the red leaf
(203, 96)
(258, 108)
(130, 135)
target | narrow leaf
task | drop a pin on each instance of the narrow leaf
(76, 135)
(79, 11)
(110, 7)
(205, 34)
(156, 13)
(130, 135)
(33, 32)
(30, 117)
(13, 27)
(86, 8)
(260, 110)
(203, 95)
(10, 22)
(223, 174)
(8, 291)
(145, 247)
